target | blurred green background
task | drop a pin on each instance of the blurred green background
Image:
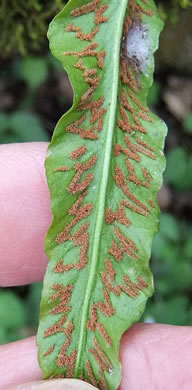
(35, 92)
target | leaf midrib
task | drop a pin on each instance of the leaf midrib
(103, 183)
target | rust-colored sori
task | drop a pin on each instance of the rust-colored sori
(131, 125)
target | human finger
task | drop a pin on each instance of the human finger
(18, 363)
(153, 357)
(25, 213)
(19, 369)
(157, 357)
(58, 384)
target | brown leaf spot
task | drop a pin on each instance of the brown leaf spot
(125, 103)
(116, 251)
(152, 204)
(101, 360)
(101, 329)
(134, 208)
(110, 270)
(119, 216)
(120, 181)
(99, 18)
(127, 244)
(92, 323)
(147, 12)
(92, 379)
(143, 115)
(82, 36)
(109, 285)
(89, 51)
(102, 355)
(146, 174)
(56, 328)
(133, 289)
(106, 306)
(60, 267)
(86, 9)
(75, 187)
(127, 76)
(137, 102)
(78, 152)
(62, 169)
(50, 350)
(133, 177)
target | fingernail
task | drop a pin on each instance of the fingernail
(54, 384)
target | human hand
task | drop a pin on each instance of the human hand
(154, 357)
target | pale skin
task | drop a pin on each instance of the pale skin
(154, 357)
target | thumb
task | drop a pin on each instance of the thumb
(56, 384)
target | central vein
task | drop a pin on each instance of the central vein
(114, 58)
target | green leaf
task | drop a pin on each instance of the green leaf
(12, 314)
(173, 311)
(3, 122)
(33, 303)
(169, 227)
(172, 175)
(188, 124)
(3, 335)
(154, 94)
(188, 249)
(34, 70)
(28, 126)
(21, 126)
(181, 177)
(104, 169)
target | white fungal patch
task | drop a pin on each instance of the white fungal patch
(138, 46)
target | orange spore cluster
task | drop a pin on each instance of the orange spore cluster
(116, 252)
(118, 215)
(89, 51)
(79, 33)
(92, 7)
(77, 153)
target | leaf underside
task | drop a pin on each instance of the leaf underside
(104, 169)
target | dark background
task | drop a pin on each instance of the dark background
(35, 92)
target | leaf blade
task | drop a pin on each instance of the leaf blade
(109, 278)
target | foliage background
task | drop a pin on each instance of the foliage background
(35, 92)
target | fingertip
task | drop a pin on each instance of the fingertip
(156, 356)
(19, 363)
(58, 384)
(25, 213)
